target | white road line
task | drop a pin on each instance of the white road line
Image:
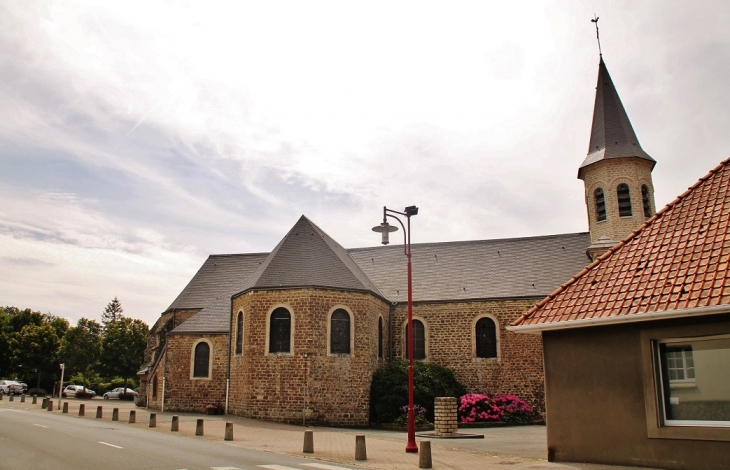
(324, 466)
(222, 468)
(110, 445)
(40, 425)
(277, 467)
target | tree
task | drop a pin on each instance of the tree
(34, 348)
(112, 312)
(123, 347)
(81, 347)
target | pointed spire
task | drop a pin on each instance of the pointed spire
(611, 134)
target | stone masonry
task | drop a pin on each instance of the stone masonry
(445, 417)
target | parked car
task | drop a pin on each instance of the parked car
(11, 387)
(71, 390)
(121, 393)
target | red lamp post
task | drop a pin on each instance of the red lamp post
(385, 228)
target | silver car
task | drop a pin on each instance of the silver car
(121, 393)
(11, 387)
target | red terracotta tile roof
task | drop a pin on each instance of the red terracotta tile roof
(677, 262)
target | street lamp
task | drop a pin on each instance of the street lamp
(385, 228)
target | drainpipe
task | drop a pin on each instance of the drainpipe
(228, 370)
(390, 330)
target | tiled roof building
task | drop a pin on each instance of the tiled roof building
(297, 333)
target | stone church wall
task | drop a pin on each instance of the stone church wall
(272, 386)
(450, 342)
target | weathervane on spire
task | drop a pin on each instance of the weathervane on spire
(595, 20)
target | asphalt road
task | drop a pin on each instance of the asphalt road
(55, 442)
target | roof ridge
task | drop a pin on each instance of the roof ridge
(658, 215)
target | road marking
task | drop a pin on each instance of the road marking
(40, 425)
(324, 466)
(110, 445)
(223, 468)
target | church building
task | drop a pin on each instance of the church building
(298, 332)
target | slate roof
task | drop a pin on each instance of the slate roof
(612, 135)
(307, 257)
(677, 263)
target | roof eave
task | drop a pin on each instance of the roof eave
(621, 319)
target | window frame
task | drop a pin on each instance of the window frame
(380, 337)
(350, 331)
(193, 357)
(425, 340)
(599, 199)
(239, 333)
(268, 344)
(645, 201)
(624, 200)
(657, 427)
(475, 338)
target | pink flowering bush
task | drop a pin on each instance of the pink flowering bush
(476, 407)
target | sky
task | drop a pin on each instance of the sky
(137, 138)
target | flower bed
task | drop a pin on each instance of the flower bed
(480, 408)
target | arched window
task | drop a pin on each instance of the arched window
(486, 337)
(340, 332)
(280, 331)
(419, 340)
(645, 200)
(239, 333)
(600, 204)
(154, 387)
(624, 200)
(380, 336)
(202, 360)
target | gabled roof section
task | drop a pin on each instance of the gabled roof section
(529, 267)
(612, 135)
(308, 257)
(677, 263)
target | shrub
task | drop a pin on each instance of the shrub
(419, 415)
(389, 389)
(477, 407)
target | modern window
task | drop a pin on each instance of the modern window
(645, 200)
(624, 200)
(280, 331)
(239, 333)
(419, 341)
(486, 338)
(380, 337)
(600, 204)
(693, 381)
(340, 332)
(201, 361)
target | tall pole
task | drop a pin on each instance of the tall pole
(411, 446)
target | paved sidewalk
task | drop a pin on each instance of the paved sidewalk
(520, 447)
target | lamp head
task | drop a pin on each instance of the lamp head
(411, 210)
(385, 228)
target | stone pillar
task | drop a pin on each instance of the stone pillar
(229, 432)
(308, 442)
(360, 451)
(65, 407)
(22, 399)
(115, 414)
(175, 426)
(199, 427)
(99, 412)
(35, 400)
(445, 421)
(50, 405)
(424, 456)
(153, 420)
(11, 397)
(132, 416)
(82, 409)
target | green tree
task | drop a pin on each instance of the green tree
(123, 348)
(34, 349)
(6, 332)
(112, 312)
(81, 347)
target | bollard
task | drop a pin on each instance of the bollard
(22, 399)
(98, 412)
(153, 420)
(199, 427)
(424, 455)
(115, 414)
(229, 432)
(11, 398)
(82, 409)
(132, 416)
(175, 427)
(65, 407)
(360, 452)
(308, 442)
(44, 403)
(50, 405)
(35, 399)
(1, 396)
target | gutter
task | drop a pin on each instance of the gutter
(621, 319)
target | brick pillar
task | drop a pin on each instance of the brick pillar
(445, 422)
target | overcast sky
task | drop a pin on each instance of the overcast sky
(137, 138)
